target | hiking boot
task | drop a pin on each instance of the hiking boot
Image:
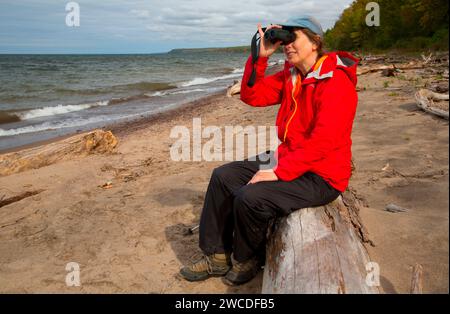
(208, 266)
(243, 272)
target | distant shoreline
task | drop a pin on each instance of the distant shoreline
(235, 49)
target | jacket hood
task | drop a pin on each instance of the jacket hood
(340, 60)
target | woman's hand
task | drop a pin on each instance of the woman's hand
(263, 175)
(266, 48)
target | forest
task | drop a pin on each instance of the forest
(403, 24)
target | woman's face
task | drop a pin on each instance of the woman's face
(299, 50)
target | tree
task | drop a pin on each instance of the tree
(403, 23)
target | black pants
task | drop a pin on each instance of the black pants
(235, 215)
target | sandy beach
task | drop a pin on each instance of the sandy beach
(131, 236)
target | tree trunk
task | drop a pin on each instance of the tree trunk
(319, 250)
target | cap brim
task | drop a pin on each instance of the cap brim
(299, 26)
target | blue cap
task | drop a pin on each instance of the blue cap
(305, 21)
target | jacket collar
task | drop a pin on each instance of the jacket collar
(326, 69)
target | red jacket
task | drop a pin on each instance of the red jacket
(315, 121)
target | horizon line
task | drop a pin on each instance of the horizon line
(119, 53)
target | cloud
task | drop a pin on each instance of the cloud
(237, 19)
(156, 24)
(140, 13)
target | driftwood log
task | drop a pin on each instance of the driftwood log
(391, 68)
(319, 250)
(425, 100)
(234, 89)
(97, 141)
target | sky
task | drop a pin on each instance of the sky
(146, 26)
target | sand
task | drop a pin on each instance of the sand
(130, 237)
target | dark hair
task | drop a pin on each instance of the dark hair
(315, 39)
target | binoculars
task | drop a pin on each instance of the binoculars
(286, 35)
(279, 34)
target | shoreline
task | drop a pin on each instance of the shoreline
(126, 128)
(123, 128)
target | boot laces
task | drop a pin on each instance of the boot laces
(244, 266)
(203, 263)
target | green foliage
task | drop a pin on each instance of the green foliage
(406, 24)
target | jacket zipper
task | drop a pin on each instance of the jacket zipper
(316, 66)
(295, 109)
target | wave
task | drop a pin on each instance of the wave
(72, 123)
(8, 117)
(79, 122)
(16, 116)
(164, 93)
(189, 91)
(158, 93)
(53, 126)
(115, 101)
(140, 86)
(59, 109)
(202, 80)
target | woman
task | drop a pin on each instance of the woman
(313, 162)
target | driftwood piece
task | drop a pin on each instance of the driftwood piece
(391, 68)
(417, 280)
(369, 59)
(363, 71)
(319, 250)
(436, 63)
(395, 209)
(234, 89)
(97, 141)
(426, 59)
(425, 100)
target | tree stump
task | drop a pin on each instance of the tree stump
(319, 250)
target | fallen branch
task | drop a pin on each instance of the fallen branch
(425, 99)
